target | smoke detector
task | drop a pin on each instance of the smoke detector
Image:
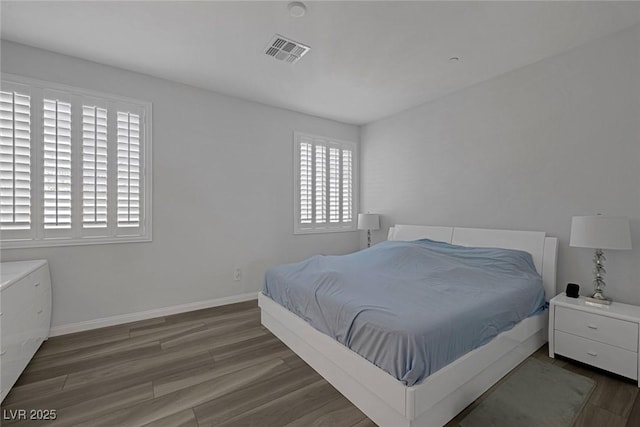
(297, 9)
(284, 49)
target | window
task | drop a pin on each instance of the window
(94, 167)
(128, 170)
(57, 164)
(325, 184)
(15, 159)
(75, 166)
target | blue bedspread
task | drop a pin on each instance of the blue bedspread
(411, 308)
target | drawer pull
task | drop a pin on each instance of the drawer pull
(36, 284)
(592, 353)
(40, 311)
(3, 352)
(592, 327)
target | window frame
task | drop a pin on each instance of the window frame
(36, 236)
(326, 227)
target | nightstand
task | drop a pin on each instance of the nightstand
(599, 335)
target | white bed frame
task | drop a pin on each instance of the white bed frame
(441, 396)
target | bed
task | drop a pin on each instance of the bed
(434, 400)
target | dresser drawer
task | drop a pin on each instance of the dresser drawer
(40, 281)
(42, 314)
(597, 327)
(603, 356)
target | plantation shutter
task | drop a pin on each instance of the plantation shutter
(325, 184)
(128, 158)
(347, 185)
(306, 182)
(320, 187)
(75, 166)
(57, 164)
(15, 161)
(334, 184)
(94, 167)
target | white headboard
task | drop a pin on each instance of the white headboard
(543, 249)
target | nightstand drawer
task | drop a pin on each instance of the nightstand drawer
(607, 357)
(597, 327)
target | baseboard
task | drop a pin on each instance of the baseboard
(148, 314)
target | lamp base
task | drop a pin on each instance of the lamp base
(598, 280)
(598, 298)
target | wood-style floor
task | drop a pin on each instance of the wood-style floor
(218, 367)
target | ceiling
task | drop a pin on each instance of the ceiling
(368, 59)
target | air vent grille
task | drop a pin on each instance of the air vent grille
(284, 49)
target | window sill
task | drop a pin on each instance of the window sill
(46, 243)
(324, 230)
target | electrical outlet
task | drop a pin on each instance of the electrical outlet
(236, 274)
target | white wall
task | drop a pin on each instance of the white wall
(223, 197)
(526, 150)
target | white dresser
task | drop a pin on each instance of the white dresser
(602, 336)
(25, 316)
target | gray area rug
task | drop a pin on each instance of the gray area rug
(536, 394)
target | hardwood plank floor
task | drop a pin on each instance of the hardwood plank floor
(220, 367)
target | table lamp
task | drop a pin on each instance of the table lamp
(600, 232)
(368, 222)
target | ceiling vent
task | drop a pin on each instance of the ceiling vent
(284, 49)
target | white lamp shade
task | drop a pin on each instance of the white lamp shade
(368, 221)
(600, 232)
